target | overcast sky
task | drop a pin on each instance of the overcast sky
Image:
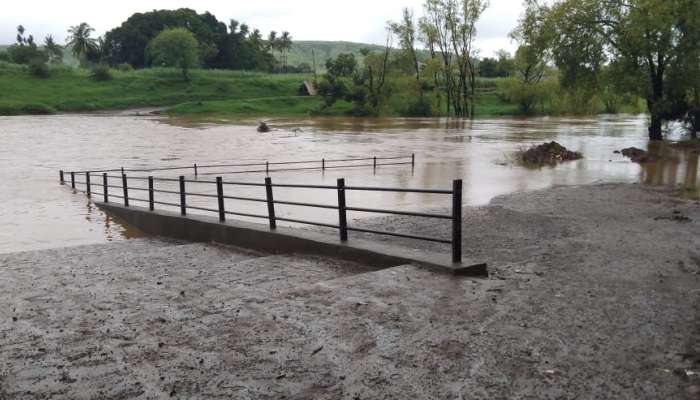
(355, 20)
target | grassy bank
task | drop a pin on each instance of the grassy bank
(73, 89)
(209, 94)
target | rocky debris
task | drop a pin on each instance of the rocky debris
(637, 155)
(263, 127)
(548, 154)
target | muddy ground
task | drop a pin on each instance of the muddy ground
(594, 294)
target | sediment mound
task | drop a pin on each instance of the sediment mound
(548, 153)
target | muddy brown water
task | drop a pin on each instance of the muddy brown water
(37, 213)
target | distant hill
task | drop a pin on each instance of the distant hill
(301, 51)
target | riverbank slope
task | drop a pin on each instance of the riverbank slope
(594, 293)
(212, 94)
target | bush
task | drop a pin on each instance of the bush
(39, 68)
(4, 56)
(125, 67)
(101, 73)
(26, 54)
(419, 107)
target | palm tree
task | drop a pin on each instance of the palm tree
(54, 51)
(80, 41)
(285, 45)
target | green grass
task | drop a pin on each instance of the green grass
(71, 89)
(210, 94)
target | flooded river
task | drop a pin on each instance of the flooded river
(38, 213)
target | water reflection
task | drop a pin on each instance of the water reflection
(37, 213)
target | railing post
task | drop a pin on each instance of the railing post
(323, 164)
(342, 213)
(267, 168)
(87, 183)
(105, 189)
(122, 170)
(457, 221)
(270, 203)
(375, 162)
(72, 179)
(183, 203)
(151, 204)
(60, 177)
(195, 169)
(220, 197)
(413, 159)
(126, 191)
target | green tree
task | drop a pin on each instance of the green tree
(343, 66)
(176, 47)
(648, 41)
(285, 44)
(53, 49)
(451, 25)
(81, 43)
(25, 50)
(406, 32)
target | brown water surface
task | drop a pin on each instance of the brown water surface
(38, 213)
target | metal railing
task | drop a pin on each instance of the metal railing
(270, 200)
(277, 166)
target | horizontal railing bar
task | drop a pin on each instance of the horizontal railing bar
(166, 203)
(162, 179)
(298, 221)
(405, 190)
(116, 195)
(142, 178)
(299, 169)
(403, 235)
(294, 203)
(198, 181)
(137, 199)
(202, 209)
(245, 199)
(135, 188)
(243, 183)
(395, 212)
(191, 166)
(165, 191)
(246, 215)
(201, 195)
(302, 186)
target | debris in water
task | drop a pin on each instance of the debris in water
(317, 350)
(638, 155)
(263, 128)
(548, 154)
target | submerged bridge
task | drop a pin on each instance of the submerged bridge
(199, 206)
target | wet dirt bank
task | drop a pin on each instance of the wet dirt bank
(594, 293)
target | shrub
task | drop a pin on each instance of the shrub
(101, 73)
(26, 54)
(4, 56)
(419, 107)
(125, 67)
(39, 68)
